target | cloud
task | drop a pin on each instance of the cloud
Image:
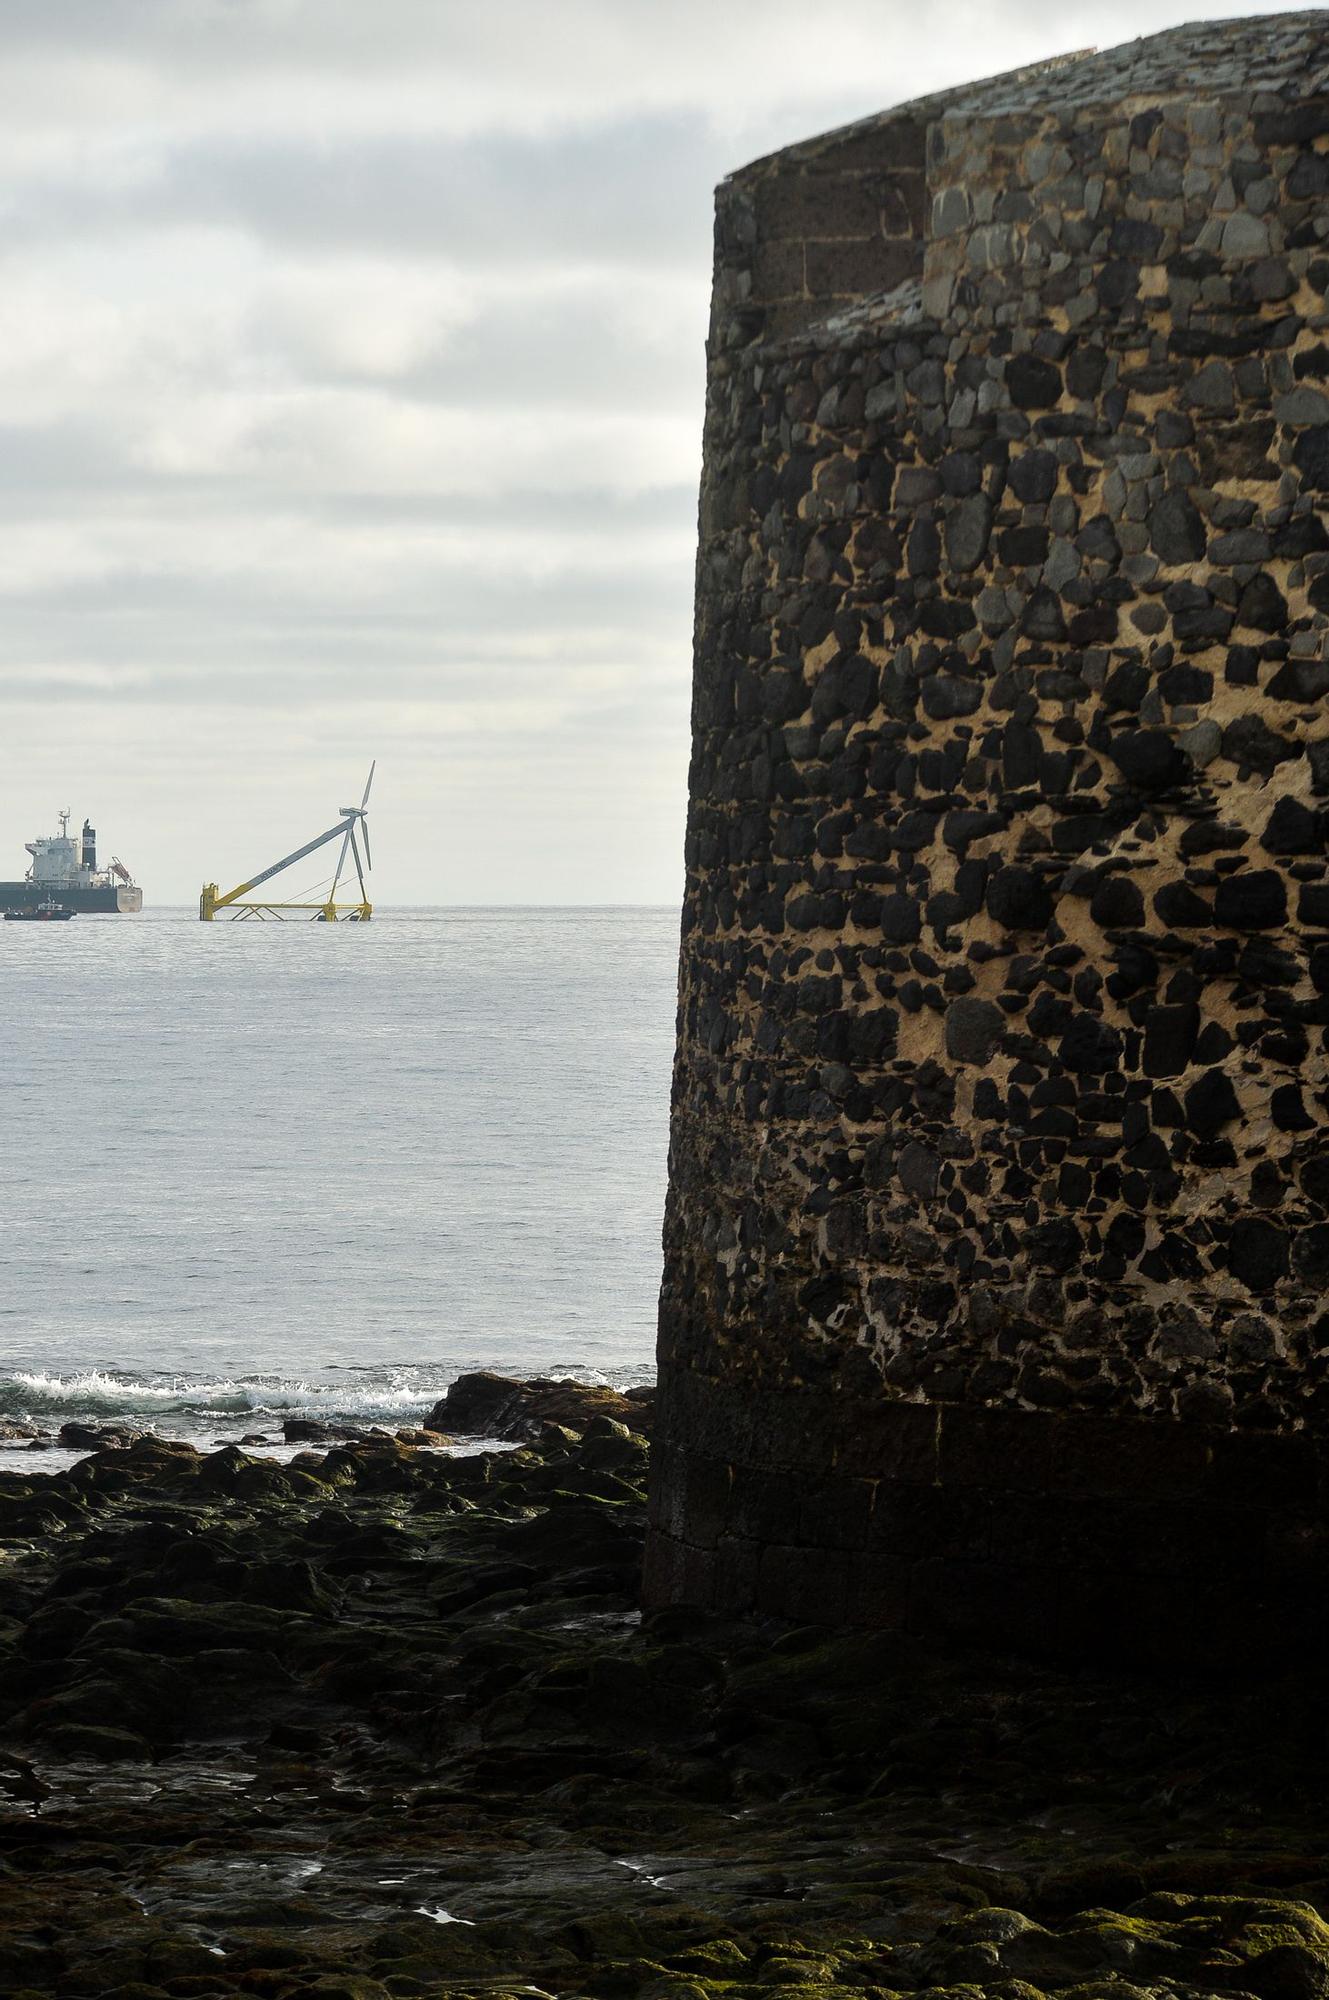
(351, 374)
(633, 191)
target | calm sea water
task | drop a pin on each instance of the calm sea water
(255, 1169)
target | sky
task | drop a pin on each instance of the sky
(351, 376)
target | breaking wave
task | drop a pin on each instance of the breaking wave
(169, 1402)
(99, 1392)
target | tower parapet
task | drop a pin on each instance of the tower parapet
(998, 1225)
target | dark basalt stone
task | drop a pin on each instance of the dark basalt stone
(1032, 476)
(1310, 1253)
(946, 696)
(1117, 904)
(923, 552)
(1137, 239)
(1263, 607)
(1288, 1110)
(1210, 1104)
(1148, 759)
(1257, 1253)
(919, 1169)
(847, 687)
(901, 919)
(1118, 284)
(483, 1404)
(1256, 899)
(1292, 828)
(1042, 617)
(1090, 1047)
(1170, 1037)
(1185, 683)
(1054, 1246)
(1033, 383)
(1310, 455)
(1176, 530)
(1309, 177)
(967, 529)
(973, 1029)
(1019, 899)
(1251, 743)
(945, 618)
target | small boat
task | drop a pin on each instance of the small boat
(42, 913)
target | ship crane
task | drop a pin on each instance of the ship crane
(328, 910)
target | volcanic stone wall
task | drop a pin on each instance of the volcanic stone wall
(998, 1225)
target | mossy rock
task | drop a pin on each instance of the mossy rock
(799, 1989)
(804, 1969)
(990, 1926)
(677, 1986)
(1279, 1923)
(620, 1978)
(1106, 1989)
(1292, 1970)
(336, 1986)
(1116, 1880)
(81, 1743)
(718, 1956)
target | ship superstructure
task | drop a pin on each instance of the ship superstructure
(64, 868)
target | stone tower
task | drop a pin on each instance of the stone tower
(998, 1227)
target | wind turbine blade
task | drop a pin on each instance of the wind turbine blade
(355, 850)
(368, 782)
(364, 831)
(341, 861)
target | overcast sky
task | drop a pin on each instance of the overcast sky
(351, 361)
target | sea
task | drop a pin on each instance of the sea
(253, 1170)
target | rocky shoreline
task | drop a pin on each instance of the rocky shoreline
(386, 1721)
(497, 1408)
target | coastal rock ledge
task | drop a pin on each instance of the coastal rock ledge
(998, 1223)
(383, 1723)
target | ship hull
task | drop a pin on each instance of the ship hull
(117, 899)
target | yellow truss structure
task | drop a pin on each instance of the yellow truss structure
(329, 911)
(212, 900)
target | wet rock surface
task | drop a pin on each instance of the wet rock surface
(487, 1405)
(386, 1722)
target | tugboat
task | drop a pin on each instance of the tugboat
(41, 913)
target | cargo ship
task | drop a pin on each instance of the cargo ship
(64, 870)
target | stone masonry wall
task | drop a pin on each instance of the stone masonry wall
(998, 1225)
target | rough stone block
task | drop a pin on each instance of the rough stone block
(999, 1450)
(777, 271)
(908, 1522)
(1129, 1458)
(885, 1440)
(1270, 1473)
(852, 268)
(995, 1606)
(878, 1593)
(808, 1585)
(803, 205)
